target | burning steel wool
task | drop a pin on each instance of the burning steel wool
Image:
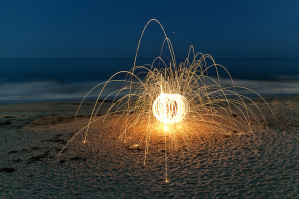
(170, 108)
(181, 102)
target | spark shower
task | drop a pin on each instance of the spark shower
(174, 102)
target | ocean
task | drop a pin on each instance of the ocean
(48, 79)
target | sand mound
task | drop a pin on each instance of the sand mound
(259, 165)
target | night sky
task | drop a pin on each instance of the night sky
(111, 29)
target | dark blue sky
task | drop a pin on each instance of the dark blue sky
(102, 29)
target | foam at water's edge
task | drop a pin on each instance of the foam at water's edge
(37, 91)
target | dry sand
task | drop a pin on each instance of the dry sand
(259, 165)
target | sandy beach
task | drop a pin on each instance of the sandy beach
(259, 165)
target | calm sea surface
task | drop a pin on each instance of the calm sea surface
(60, 79)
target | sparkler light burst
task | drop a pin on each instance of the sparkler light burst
(182, 98)
(170, 108)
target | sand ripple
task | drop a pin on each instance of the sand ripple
(259, 165)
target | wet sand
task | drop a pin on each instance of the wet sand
(259, 165)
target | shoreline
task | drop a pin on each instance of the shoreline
(265, 96)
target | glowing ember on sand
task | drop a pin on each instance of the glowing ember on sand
(181, 97)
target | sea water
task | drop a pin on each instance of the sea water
(48, 79)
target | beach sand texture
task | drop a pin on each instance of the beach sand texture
(259, 165)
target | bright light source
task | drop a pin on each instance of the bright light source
(170, 108)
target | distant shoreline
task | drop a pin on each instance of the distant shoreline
(78, 100)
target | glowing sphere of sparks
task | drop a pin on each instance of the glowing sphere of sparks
(170, 108)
